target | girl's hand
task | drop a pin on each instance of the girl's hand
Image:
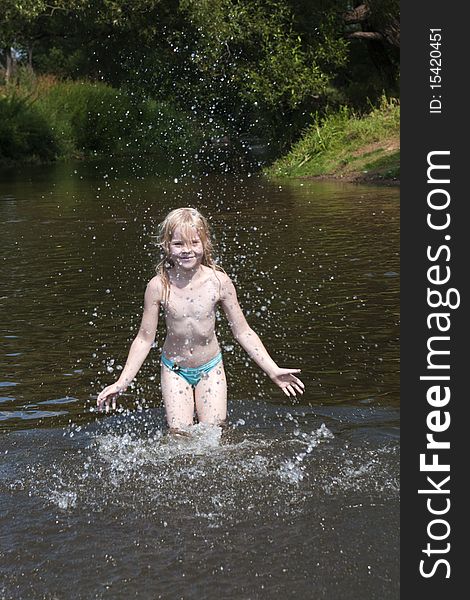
(288, 382)
(107, 397)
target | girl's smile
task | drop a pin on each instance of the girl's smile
(186, 252)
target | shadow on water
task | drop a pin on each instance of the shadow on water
(298, 496)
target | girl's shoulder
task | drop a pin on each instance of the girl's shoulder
(224, 284)
(217, 275)
(155, 287)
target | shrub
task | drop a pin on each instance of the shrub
(90, 117)
(24, 132)
(164, 127)
(49, 118)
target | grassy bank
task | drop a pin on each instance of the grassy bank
(346, 146)
(46, 119)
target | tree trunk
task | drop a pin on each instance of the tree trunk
(377, 22)
(365, 35)
(356, 15)
(30, 57)
(10, 65)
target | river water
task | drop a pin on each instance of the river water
(299, 497)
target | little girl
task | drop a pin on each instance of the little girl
(188, 286)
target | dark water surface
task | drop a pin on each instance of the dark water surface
(297, 497)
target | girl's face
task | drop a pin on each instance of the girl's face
(186, 252)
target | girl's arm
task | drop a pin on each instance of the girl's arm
(252, 344)
(140, 347)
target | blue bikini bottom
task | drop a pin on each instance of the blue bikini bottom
(192, 375)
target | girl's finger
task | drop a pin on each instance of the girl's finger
(285, 391)
(299, 382)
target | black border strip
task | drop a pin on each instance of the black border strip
(422, 132)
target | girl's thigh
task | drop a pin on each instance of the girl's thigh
(211, 397)
(178, 398)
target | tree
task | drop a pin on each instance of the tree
(19, 26)
(377, 24)
(258, 65)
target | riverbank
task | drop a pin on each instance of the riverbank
(347, 147)
(45, 120)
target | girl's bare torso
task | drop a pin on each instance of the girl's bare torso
(190, 312)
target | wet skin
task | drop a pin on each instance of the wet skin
(189, 310)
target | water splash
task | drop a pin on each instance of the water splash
(364, 471)
(64, 500)
(293, 470)
(129, 465)
(209, 475)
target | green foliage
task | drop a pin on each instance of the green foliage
(44, 118)
(332, 141)
(91, 117)
(20, 19)
(24, 132)
(163, 126)
(255, 47)
(62, 62)
(258, 67)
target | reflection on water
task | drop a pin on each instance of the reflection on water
(298, 496)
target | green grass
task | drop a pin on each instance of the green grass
(45, 119)
(343, 143)
(387, 166)
(90, 118)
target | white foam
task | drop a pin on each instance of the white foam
(63, 499)
(293, 470)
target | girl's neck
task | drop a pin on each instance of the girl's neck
(185, 275)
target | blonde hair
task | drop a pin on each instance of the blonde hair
(188, 220)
